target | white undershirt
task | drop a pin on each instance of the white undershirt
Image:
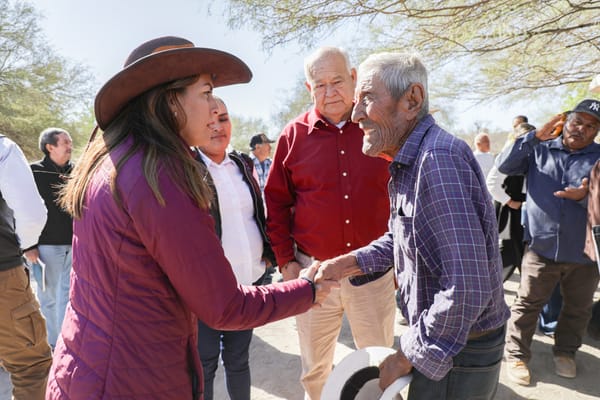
(240, 237)
(21, 194)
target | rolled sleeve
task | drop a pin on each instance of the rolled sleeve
(377, 256)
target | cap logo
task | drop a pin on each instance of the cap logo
(595, 106)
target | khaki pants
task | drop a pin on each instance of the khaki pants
(539, 277)
(24, 348)
(370, 309)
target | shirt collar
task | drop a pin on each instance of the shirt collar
(410, 149)
(316, 121)
(210, 163)
(65, 168)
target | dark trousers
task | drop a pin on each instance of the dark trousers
(233, 347)
(474, 375)
(539, 277)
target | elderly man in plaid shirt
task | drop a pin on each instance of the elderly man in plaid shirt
(442, 239)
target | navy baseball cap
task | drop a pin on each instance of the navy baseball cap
(589, 106)
(259, 139)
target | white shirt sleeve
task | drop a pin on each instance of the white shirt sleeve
(20, 193)
(494, 182)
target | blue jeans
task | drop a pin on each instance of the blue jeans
(5, 385)
(54, 299)
(233, 346)
(474, 375)
(550, 312)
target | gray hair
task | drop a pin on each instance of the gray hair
(50, 136)
(397, 71)
(321, 53)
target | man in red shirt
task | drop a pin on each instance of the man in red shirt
(325, 198)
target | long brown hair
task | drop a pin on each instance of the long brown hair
(150, 123)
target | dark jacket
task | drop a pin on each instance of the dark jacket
(48, 178)
(513, 186)
(246, 166)
(10, 251)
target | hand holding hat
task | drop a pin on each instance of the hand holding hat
(358, 376)
(392, 368)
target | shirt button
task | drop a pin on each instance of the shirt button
(346, 196)
(342, 152)
(341, 131)
(348, 245)
(347, 221)
(344, 174)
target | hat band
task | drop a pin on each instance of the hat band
(174, 46)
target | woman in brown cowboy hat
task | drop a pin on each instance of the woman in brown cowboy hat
(146, 259)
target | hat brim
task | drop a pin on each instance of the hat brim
(162, 67)
(584, 111)
(352, 365)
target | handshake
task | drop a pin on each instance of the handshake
(325, 274)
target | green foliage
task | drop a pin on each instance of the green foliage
(38, 89)
(297, 102)
(478, 50)
(243, 129)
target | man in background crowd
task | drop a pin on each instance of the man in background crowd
(260, 152)
(24, 349)
(556, 167)
(324, 198)
(52, 255)
(482, 153)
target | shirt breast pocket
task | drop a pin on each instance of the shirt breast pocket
(404, 237)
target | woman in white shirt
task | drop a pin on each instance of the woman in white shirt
(238, 210)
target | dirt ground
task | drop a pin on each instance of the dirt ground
(275, 364)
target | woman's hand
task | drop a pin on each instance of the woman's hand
(290, 270)
(322, 286)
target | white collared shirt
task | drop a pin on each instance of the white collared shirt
(240, 237)
(485, 160)
(20, 193)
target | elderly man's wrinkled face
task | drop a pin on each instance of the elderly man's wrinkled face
(331, 87)
(380, 117)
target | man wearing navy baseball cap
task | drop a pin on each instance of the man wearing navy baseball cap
(260, 146)
(557, 168)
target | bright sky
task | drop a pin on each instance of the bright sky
(101, 34)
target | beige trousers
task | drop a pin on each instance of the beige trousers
(370, 310)
(24, 349)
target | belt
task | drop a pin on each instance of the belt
(477, 335)
(359, 280)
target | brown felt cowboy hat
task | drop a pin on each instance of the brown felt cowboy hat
(163, 60)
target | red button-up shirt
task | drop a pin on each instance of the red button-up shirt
(323, 193)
